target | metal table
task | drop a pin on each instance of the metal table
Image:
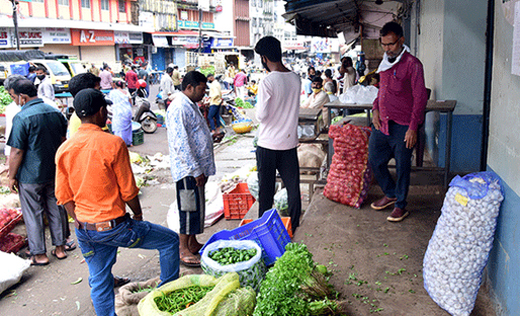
(441, 106)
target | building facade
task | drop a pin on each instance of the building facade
(96, 31)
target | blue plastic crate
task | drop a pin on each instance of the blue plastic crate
(268, 232)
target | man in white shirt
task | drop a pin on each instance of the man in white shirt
(45, 88)
(318, 98)
(166, 86)
(277, 111)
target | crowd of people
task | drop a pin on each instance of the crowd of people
(86, 173)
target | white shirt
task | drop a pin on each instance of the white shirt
(45, 89)
(317, 101)
(277, 110)
(10, 111)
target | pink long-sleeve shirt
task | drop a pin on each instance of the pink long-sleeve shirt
(402, 95)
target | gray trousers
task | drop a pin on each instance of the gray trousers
(37, 199)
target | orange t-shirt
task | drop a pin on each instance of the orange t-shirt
(93, 170)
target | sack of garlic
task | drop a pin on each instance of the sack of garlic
(459, 248)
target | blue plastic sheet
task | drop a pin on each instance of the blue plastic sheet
(476, 184)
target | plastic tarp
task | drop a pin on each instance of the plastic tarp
(20, 55)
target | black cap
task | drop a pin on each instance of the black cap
(88, 102)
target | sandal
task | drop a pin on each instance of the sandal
(70, 245)
(59, 258)
(120, 281)
(190, 261)
(36, 263)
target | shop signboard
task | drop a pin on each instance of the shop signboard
(5, 38)
(56, 36)
(121, 37)
(207, 25)
(222, 42)
(92, 38)
(190, 24)
(146, 20)
(135, 37)
(192, 42)
(29, 37)
(185, 41)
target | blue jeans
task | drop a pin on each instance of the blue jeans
(214, 113)
(100, 251)
(382, 148)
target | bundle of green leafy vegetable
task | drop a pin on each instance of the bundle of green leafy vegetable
(295, 286)
(5, 99)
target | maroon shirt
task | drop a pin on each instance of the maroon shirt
(402, 95)
(131, 79)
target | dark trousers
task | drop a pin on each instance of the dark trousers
(381, 149)
(286, 162)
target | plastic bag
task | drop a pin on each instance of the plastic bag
(250, 272)
(252, 184)
(281, 202)
(204, 307)
(240, 302)
(359, 94)
(214, 208)
(459, 248)
(348, 180)
(12, 268)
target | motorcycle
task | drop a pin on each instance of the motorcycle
(143, 114)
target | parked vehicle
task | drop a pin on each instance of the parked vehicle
(58, 73)
(144, 114)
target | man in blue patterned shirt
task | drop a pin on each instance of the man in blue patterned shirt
(192, 162)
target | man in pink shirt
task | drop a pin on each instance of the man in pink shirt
(397, 113)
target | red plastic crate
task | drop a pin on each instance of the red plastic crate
(12, 243)
(237, 202)
(9, 227)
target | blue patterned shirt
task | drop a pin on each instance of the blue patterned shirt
(189, 140)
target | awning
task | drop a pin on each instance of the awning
(327, 18)
(160, 41)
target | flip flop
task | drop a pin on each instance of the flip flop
(190, 263)
(35, 263)
(120, 281)
(59, 258)
(70, 245)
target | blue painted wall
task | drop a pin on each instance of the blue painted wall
(504, 262)
(465, 142)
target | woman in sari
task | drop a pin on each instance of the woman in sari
(121, 112)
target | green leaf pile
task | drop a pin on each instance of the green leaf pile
(293, 286)
(5, 99)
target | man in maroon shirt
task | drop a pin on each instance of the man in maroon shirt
(131, 79)
(398, 111)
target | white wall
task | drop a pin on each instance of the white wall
(225, 20)
(504, 140)
(431, 42)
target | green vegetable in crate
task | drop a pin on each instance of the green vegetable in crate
(293, 286)
(181, 299)
(230, 255)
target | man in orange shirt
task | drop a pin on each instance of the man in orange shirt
(94, 181)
